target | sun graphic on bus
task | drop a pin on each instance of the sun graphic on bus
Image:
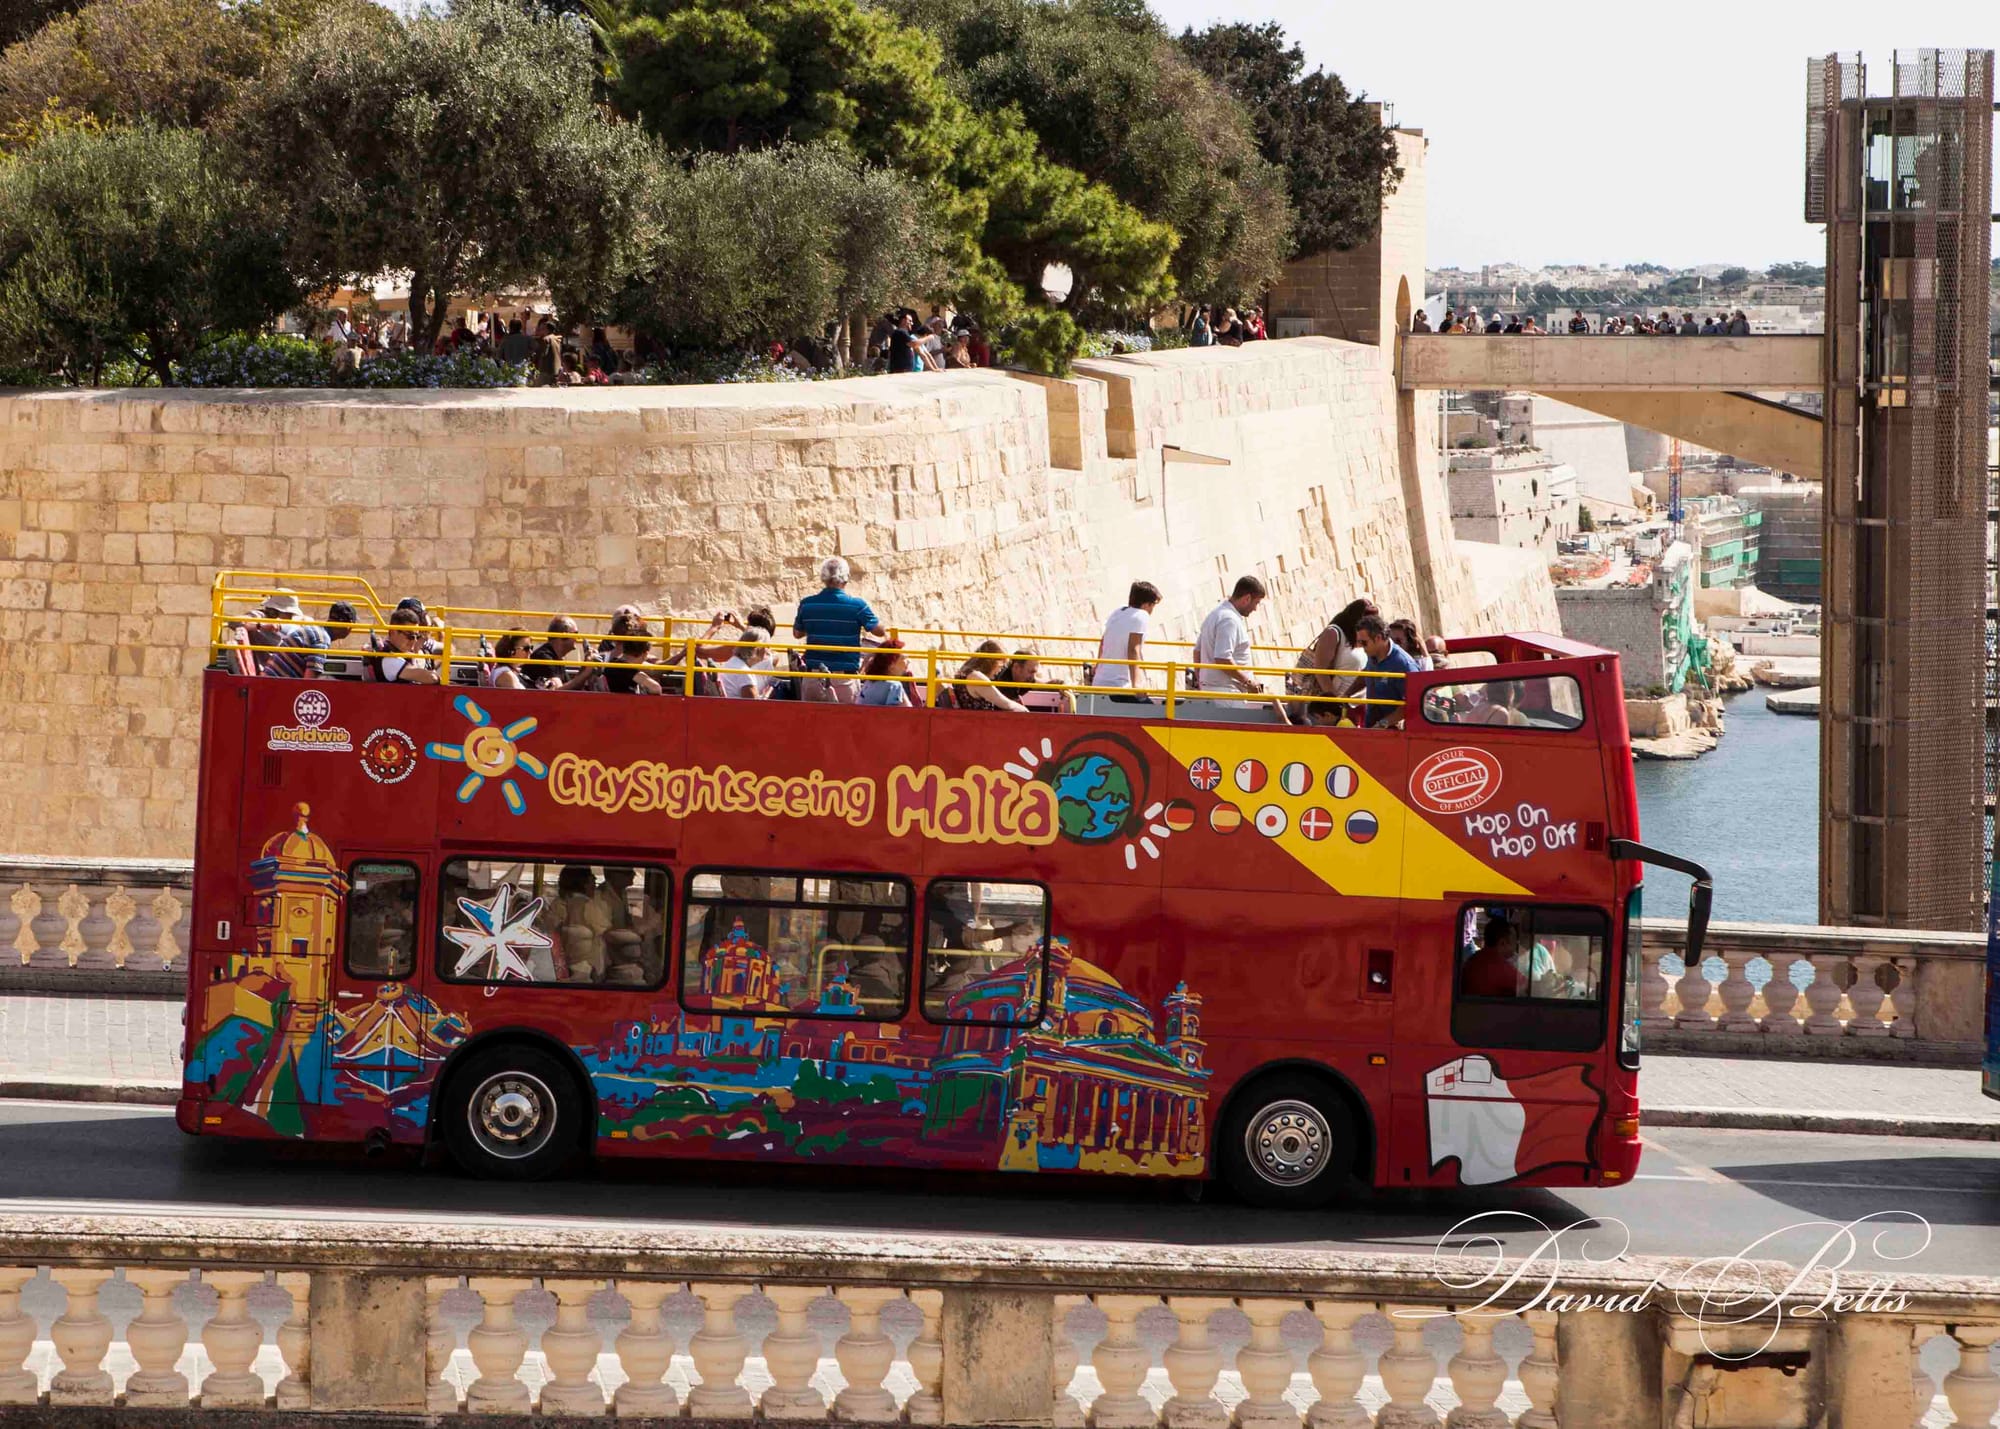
(490, 751)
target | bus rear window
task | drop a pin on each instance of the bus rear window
(797, 944)
(533, 921)
(1526, 702)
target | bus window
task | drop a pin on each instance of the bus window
(800, 944)
(381, 937)
(983, 951)
(1530, 976)
(524, 920)
(1531, 702)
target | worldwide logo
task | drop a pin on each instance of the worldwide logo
(312, 708)
(309, 732)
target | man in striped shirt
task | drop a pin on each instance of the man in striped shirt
(301, 647)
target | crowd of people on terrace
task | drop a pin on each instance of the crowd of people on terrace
(840, 652)
(1720, 323)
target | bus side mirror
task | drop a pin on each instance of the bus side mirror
(1700, 896)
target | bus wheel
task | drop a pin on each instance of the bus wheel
(1289, 1144)
(513, 1115)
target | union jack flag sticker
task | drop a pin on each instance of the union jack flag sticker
(1204, 773)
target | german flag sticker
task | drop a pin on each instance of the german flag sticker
(1180, 816)
(1225, 818)
(1361, 826)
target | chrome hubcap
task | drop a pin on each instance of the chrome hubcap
(1287, 1143)
(513, 1115)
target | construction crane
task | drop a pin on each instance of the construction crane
(1674, 491)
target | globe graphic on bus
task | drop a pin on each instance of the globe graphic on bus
(1093, 797)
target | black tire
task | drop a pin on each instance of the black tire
(512, 1114)
(1288, 1143)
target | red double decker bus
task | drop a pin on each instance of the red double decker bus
(535, 925)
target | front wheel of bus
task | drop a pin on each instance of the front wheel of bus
(513, 1115)
(1289, 1144)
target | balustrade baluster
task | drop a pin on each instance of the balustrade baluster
(1408, 1371)
(74, 906)
(92, 929)
(295, 1342)
(1337, 1367)
(1903, 998)
(926, 1357)
(156, 1339)
(1064, 1411)
(172, 915)
(570, 1348)
(1121, 1364)
(232, 1340)
(865, 1355)
(498, 1347)
(17, 1339)
(1923, 1389)
(440, 1394)
(82, 1335)
(719, 1350)
(1780, 993)
(1265, 1367)
(791, 1354)
(1653, 989)
(1477, 1376)
(1692, 990)
(1194, 1364)
(120, 909)
(1824, 995)
(1972, 1389)
(1736, 994)
(646, 1353)
(1540, 1371)
(1865, 997)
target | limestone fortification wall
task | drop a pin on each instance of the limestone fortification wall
(982, 499)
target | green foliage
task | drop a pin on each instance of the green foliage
(21, 18)
(243, 360)
(1584, 520)
(1108, 94)
(1337, 158)
(1731, 277)
(1812, 275)
(135, 243)
(776, 244)
(1045, 340)
(464, 368)
(462, 148)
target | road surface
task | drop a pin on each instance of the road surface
(1699, 1193)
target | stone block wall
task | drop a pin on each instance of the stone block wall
(970, 500)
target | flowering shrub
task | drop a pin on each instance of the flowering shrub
(699, 367)
(457, 369)
(241, 360)
(1115, 344)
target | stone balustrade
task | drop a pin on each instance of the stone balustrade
(1768, 989)
(441, 1319)
(76, 920)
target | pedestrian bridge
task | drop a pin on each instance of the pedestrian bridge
(1701, 389)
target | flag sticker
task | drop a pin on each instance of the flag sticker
(1271, 821)
(1315, 823)
(1340, 781)
(1295, 779)
(1204, 773)
(1250, 776)
(1180, 816)
(1361, 826)
(1225, 818)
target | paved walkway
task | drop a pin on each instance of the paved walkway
(117, 1048)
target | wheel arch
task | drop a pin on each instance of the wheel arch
(515, 1037)
(1332, 1078)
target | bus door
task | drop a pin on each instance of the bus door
(384, 1037)
(1503, 1053)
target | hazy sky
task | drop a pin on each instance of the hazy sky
(1562, 132)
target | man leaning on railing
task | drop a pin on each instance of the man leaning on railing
(1225, 641)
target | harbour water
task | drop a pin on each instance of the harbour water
(1748, 810)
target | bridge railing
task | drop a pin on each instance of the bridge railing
(125, 1319)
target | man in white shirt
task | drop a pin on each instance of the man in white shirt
(1125, 639)
(1225, 640)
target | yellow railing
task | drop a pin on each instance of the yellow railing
(237, 595)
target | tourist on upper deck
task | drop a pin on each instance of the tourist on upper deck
(341, 619)
(974, 680)
(400, 660)
(1438, 651)
(1403, 631)
(301, 645)
(630, 645)
(1125, 639)
(1420, 321)
(1388, 665)
(1334, 649)
(894, 691)
(507, 674)
(1022, 678)
(560, 645)
(1225, 641)
(833, 623)
(744, 672)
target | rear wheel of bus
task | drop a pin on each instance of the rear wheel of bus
(512, 1114)
(1288, 1143)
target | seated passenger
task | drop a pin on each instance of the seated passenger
(578, 923)
(1389, 666)
(1022, 677)
(888, 685)
(507, 673)
(340, 622)
(398, 659)
(1502, 705)
(630, 645)
(561, 644)
(743, 669)
(278, 622)
(1493, 971)
(974, 680)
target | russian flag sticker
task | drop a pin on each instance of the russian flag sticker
(1341, 781)
(1361, 826)
(1250, 776)
(1295, 779)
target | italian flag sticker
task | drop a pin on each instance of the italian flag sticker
(1295, 778)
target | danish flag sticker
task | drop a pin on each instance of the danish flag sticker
(1315, 823)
